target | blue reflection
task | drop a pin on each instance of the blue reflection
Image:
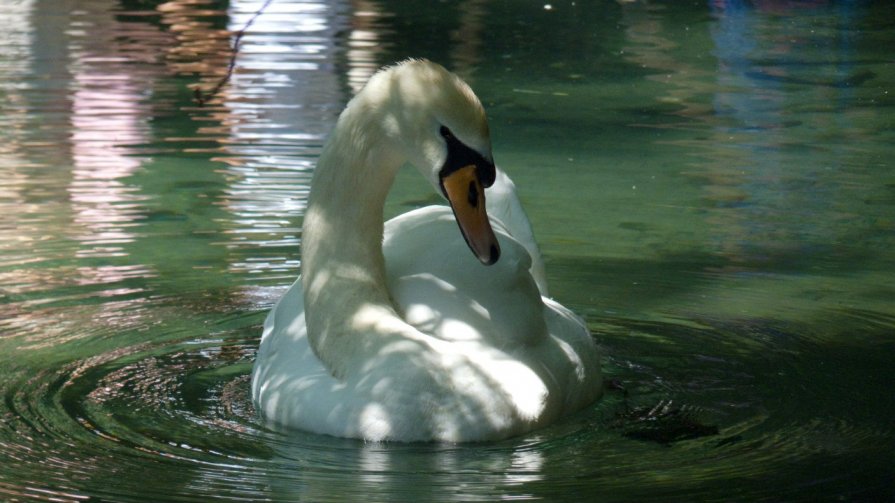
(775, 59)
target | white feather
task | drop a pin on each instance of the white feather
(396, 331)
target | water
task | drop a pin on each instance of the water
(711, 183)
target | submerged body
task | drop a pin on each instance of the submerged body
(396, 331)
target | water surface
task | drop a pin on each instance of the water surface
(711, 183)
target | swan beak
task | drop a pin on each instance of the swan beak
(466, 194)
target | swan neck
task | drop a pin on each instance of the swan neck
(344, 217)
(343, 268)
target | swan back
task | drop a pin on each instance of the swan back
(505, 207)
(443, 290)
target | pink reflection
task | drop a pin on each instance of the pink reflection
(365, 42)
(275, 113)
(106, 117)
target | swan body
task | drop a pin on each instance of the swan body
(395, 331)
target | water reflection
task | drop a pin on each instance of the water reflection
(366, 41)
(274, 115)
(142, 239)
(767, 74)
(107, 114)
(467, 38)
(200, 43)
(17, 237)
(76, 212)
(754, 111)
(396, 472)
(744, 127)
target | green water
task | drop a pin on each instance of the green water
(711, 182)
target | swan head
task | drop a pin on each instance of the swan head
(435, 121)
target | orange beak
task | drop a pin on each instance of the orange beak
(466, 194)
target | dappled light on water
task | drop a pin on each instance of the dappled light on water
(710, 185)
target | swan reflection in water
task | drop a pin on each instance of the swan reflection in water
(396, 331)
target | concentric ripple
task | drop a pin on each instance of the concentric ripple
(174, 420)
(179, 406)
(710, 183)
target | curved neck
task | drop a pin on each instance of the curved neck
(343, 269)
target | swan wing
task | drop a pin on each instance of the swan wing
(500, 359)
(446, 391)
(497, 311)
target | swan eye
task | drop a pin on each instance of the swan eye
(446, 133)
(460, 155)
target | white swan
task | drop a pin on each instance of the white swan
(396, 331)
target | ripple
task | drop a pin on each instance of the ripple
(782, 399)
(179, 409)
(184, 403)
(174, 404)
(144, 237)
